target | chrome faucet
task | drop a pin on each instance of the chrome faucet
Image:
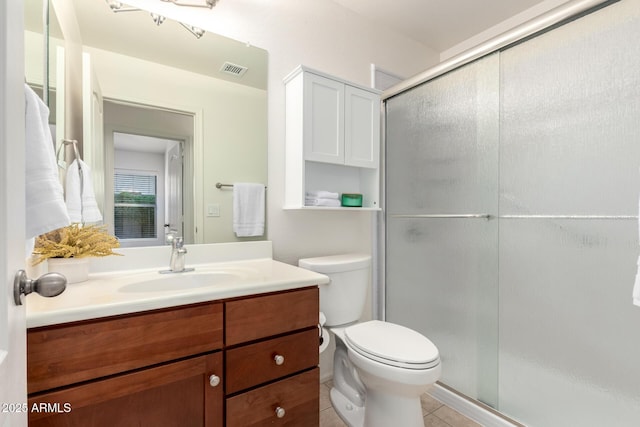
(176, 264)
(178, 251)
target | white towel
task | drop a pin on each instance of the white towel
(322, 194)
(248, 209)
(80, 198)
(45, 208)
(322, 202)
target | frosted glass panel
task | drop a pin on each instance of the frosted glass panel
(569, 347)
(442, 159)
(570, 108)
(569, 135)
(442, 143)
(442, 282)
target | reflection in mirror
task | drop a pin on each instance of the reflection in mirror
(143, 79)
(149, 142)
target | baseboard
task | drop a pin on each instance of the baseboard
(326, 377)
(484, 416)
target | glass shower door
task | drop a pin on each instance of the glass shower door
(441, 238)
(531, 308)
(569, 157)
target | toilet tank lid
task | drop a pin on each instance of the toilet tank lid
(336, 263)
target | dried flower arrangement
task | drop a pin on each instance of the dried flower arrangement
(75, 241)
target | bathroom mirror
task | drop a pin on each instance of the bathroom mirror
(162, 90)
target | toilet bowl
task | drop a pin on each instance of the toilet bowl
(380, 369)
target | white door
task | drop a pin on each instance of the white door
(13, 388)
(174, 190)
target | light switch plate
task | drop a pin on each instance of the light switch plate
(213, 209)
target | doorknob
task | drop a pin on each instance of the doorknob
(47, 285)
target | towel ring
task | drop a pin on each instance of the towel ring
(76, 153)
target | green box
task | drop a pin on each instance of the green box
(352, 200)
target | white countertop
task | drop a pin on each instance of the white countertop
(129, 291)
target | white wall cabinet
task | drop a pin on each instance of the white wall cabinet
(332, 138)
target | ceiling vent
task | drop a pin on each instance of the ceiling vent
(236, 70)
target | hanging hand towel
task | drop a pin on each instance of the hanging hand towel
(80, 198)
(45, 208)
(248, 209)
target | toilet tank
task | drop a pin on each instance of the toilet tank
(342, 299)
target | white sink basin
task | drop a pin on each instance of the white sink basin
(187, 280)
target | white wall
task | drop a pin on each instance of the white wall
(327, 37)
(502, 27)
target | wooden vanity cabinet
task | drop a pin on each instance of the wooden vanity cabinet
(271, 369)
(150, 368)
(254, 358)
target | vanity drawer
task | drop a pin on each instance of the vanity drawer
(255, 364)
(67, 354)
(263, 316)
(298, 396)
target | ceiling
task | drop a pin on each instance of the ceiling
(439, 24)
(135, 34)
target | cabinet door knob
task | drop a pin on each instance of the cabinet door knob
(280, 412)
(279, 359)
(214, 380)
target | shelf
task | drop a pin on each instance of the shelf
(329, 208)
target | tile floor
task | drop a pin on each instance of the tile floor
(435, 413)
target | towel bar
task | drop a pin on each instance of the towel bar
(220, 185)
(489, 216)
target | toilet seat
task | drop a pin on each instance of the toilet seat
(392, 344)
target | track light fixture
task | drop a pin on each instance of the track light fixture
(193, 3)
(117, 6)
(197, 32)
(158, 19)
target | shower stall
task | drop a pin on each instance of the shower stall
(511, 221)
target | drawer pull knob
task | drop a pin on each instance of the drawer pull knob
(279, 359)
(214, 380)
(280, 412)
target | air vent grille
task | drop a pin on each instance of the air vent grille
(235, 69)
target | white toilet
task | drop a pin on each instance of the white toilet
(380, 369)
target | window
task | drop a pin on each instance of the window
(135, 205)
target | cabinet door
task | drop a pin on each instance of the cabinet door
(362, 128)
(323, 112)
(175, 394)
